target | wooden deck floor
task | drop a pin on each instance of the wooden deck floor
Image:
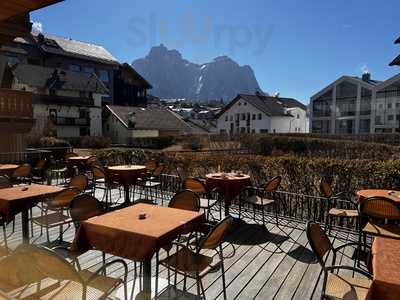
(262, 262)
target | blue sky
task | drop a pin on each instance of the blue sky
(294, 47)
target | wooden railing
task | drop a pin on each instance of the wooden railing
(15, 104)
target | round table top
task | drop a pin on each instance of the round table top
(390, 194)
(128, 168)
(227, 176)
(8, 166)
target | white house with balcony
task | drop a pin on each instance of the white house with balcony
(263, 114)
(353, 105)
(67, 103)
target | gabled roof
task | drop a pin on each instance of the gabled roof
(43, 77)
(135, 77)
(395, 62)
(367, 84)
(68, 47)
(272, 106)
(149, 118)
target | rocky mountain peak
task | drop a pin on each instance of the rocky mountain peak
(174, 77)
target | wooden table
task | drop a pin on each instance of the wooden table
(127, 176)
(7, 169)
(18, 200)
(123, 234)
(385, 266)
(389, 194)
(230, 184)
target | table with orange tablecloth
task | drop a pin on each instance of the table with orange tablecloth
(230, 185)
(7, 169)
(392, 195)
(127, 175)
(385, 266)
(19, 199)
(123, 234)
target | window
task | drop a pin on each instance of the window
(390, 117)
(365, 125)
(75, 68)
(389, 105)
(103, 75)
(248, 129)
(12, 60)
(397, 117)
(88, 70)
(254, 116)
(259, 116)
(226, 118)
(298, 116)
(397, 105)
(263, 130)
(378, 120)
(231, 118)
(239, 103)
(243, 116)
(274, 131)
(380, 106)
(83, 131)
(245, 103)
(83, 113)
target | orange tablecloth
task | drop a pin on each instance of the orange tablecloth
(14, 200)
(385, 266)
(127, 174)
(122, 233)
(7, 169)
(230, 185)
(362, 194)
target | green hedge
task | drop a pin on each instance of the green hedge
(316, 147)
(300, 174)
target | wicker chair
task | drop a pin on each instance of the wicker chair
(83, 207)
(74, 283)
(54, 212)
(207, 199)
(379, 217)
(194, 264)
(261, 197)
(22, 174)
(79, 182)
(150, 185)
(186, 199)
(332, 203)
(336, 286)
(39, 171)
(106, 181)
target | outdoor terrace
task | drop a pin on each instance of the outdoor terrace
(271, 262)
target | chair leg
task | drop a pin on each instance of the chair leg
(198, 284)
(240, 210)
(5, 235)
(262, 213)
(103, 254)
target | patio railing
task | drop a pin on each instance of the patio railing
(290, 205)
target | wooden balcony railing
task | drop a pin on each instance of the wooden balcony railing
(15, 104)
(16, 111)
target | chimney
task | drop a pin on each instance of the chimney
(131, 119)
(366, 76)
(40, 38)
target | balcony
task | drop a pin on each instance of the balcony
(16, 112)
(62, 100)
(64, 121)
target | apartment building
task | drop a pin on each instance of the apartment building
(354, 105)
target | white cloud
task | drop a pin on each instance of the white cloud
(364, 69)
(37, 27)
